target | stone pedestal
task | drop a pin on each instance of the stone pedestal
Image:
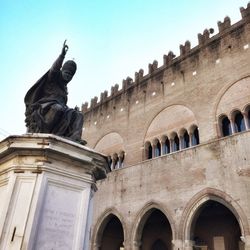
(46, 189)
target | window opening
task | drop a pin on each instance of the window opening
(150, 152)
(186, 142)
(166, 147)
(195, 137)
(158, 149)
(176, 144)
(239, 123)
(226, 127)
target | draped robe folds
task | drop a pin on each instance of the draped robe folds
(46, 106)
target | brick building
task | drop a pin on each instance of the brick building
(178, 142)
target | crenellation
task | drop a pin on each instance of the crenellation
(185, 49)
(224, 25)
(245, 12)
(84, 107)
(141, 73)
(152, 67)
(210, 47)
(93, 102)
(167, 59)
(136, 77)
(114, 89)
(203, 38)
(155, 65)
(104, 96)
(127, 83)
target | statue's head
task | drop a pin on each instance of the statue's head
(68, 70)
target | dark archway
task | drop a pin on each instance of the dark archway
(216, 227)
(113, 236)
(156, 233)
(159, 245)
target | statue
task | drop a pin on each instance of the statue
(46, 102)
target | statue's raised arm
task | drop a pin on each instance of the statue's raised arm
(46, 102)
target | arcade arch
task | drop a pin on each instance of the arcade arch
(153, 229)
(109, 233)
(214, 210)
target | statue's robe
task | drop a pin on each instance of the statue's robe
(46, 106)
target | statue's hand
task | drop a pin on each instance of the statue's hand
(65, 48)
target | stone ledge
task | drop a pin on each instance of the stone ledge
(49, 147)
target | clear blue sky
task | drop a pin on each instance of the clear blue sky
(109, 40)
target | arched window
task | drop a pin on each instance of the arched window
(195, 137)
(185, 141)
(166, 146)
(226, 126)
(157, 149)
(175, 144)
(148, 151)
(239, 122)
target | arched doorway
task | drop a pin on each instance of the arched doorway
(214, 226)
(112, 236)
(156, 232)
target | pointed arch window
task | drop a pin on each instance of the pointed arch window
(157, 149)
(175, 144)
(226, 126)
(166, 146)
(239, 122)
(149, 151)
(185, 140)
(195, 137)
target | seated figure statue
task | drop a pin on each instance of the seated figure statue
(46, 103)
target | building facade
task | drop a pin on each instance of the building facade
(178, 141)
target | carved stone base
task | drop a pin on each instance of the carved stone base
(46, 189)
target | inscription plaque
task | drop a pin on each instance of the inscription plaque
(58, 219)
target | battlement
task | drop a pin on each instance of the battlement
(170, 61)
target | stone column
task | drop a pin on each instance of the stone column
(153, 150)
(232, 124)
(137, 245)
(46, 189)
(177, 244)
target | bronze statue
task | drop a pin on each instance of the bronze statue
(46, 102)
